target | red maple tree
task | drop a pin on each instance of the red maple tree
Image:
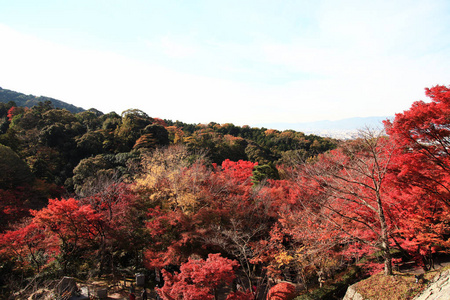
(200, 279)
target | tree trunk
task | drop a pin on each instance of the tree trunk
(384, 239)
(387, 258)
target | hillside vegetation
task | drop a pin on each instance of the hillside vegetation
(210, 211)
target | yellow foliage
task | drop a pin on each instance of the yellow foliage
(172, 179)
(283, 258)
(175, 134)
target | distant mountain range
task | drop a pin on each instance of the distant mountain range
(345, 128)
(30, 100)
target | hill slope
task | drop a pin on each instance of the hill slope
(30, 100)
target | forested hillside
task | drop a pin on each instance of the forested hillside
(217, 208)
(59, 145)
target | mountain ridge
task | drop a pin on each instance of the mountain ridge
(30, 100)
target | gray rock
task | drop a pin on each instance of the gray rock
(352, 294)
(438, 289)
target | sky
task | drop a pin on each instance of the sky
(243, 62)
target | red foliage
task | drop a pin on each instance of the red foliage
(29, 244)
(240, 171)
(173, 233)
(69, 228)
(421, 171)
(159, 122)
(225, 193)
(282, 291)
(73, 223)
(12, 112)
(12, 207)
(423, 135)
(353, 192)
(233, 216)
(114, 203)
(199, 279)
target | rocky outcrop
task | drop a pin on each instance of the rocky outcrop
(438, 288)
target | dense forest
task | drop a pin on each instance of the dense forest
(211, 206)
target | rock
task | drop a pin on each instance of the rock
(352, 294)
(438, 289)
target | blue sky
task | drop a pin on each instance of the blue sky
(241, 62)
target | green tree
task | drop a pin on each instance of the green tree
(159, 133)
(257, 153)
(89, 119)
(262, 172)
(13, 171)
(133, 123)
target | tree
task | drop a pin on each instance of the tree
(90, 143)
(201, 210)
(14, 111)
(29, 245)
(13, 171)
(90, 119)
(423, 134)
(62, 116)
(133, 123)
(282, 291)
(121, 232)
(262, 172)
(171, 178)
(92, 173)
(76, 226)
(12, 206)
(238, 215)
(257, 153)
(421, 171)
(351, 181)
(420, 223)
(111, 121)
(159, 133)
(199, 279)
